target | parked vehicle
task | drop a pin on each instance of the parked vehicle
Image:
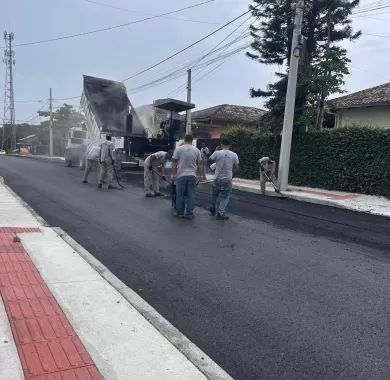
(75, 147)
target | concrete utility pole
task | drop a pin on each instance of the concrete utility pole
(9, 103)
(285, 150)
(51, 126)
(189, 88)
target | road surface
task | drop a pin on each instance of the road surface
(284, 290)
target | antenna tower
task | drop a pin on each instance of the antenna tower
(9, 103)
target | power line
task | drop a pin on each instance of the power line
(35, 114)
(25, 101)
(181, 88)
(370, 10)
(376, 35)
(150, 14)
(70, 98)
(180, 73)
(115, 26)
(187, 47)
(181, 70)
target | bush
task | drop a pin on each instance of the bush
(347, 159)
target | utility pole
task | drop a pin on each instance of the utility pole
(285, 150)
(51, 125)
(9, 103)
(188, 116)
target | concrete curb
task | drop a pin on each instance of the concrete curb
(256, 191)
(193, 353)
(42, 158)
(24, 204)
(296, 197)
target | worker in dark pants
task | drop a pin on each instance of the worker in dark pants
(107, 163)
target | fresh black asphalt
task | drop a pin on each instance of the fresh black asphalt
(283, 290)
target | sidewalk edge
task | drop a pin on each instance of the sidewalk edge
(193, 353)
(299, 198)
(24, 204)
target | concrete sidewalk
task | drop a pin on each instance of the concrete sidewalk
(358, 202)
(62, 313)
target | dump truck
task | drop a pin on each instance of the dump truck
(108, 110)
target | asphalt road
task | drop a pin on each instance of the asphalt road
(284, 290)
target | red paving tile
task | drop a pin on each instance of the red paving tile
(48, 347)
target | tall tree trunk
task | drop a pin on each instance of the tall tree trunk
(323, 94)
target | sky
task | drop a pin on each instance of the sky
(120, 53)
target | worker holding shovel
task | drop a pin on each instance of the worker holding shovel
(267, 172)
(153, 169)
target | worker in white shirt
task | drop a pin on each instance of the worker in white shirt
(92, 158)
(153, 169)
(267, 172)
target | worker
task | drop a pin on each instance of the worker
(267, 169)
(185, 169)
(226, 167)
(107, 163)
(205, 154)
(154, 168)
(91, 158)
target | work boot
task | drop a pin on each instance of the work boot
(178, 215)
(158, 194)
(221, 216)
(149, 195)
(99, 186)
(85, 181)
(212, 211)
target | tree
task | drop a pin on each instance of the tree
(64, 118)
(323, 62)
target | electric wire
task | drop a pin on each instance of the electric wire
(151, 14)
(113, 27)
(186, 48)
(35, 115)
(183, 68)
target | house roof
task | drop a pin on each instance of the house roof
(378, 95)
(229, 113)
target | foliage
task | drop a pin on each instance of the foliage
(323, 63)
(64, 118)
(345, 159)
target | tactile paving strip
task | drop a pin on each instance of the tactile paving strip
(48, 347)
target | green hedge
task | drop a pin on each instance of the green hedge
(348, 159)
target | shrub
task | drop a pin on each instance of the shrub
(346, 159)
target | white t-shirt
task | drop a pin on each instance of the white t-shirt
(188, 158)
(159, 158)
(225, 160)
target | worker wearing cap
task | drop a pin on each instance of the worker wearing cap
(267, 169)
(107, 160)
(153, 169)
